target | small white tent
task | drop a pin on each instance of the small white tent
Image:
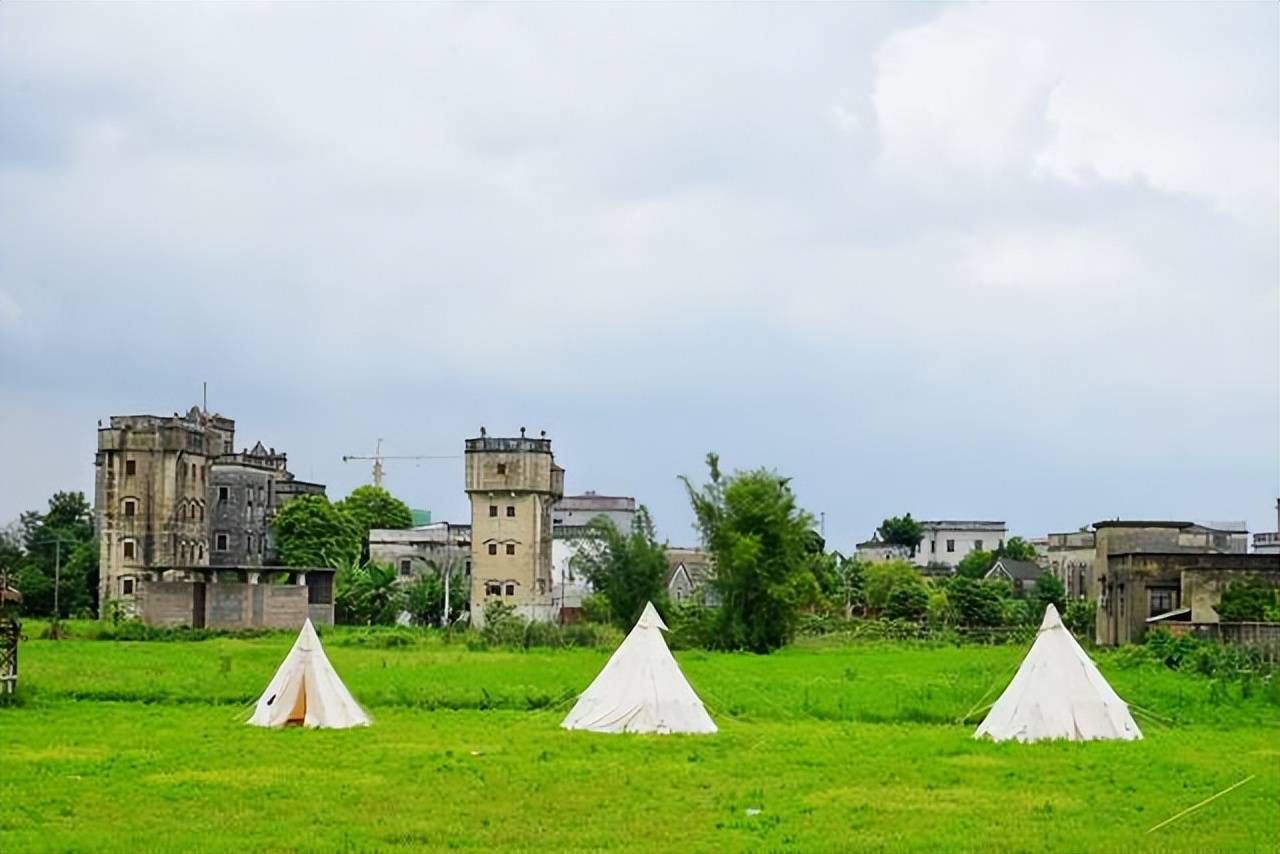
(641, 689)
(1058, 693)
(306, 690)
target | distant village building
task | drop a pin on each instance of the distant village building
(183, 525)
(1147, 572)
(876, 550)
(948, 541)
(1268, 542)
(512, 483)
(570, 526)
(575, 511)
(1070, 557)
(426, 549)
(1021, 574)
(689, 575)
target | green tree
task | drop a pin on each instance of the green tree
(370, 507)
(902, 531)
(1246, 601)
(850, 591)
(974, 603)
(908, 602)
(368, 594)
(881, 579)
(424, 596)
(57, 543)
(1049, 590)
(627, 570)
(1081, 617)
(975, 564)
(309, 531)
(1016, 548)
(759, 540)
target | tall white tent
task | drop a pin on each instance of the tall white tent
(1058, 693)
(641, 689)
(306, 690)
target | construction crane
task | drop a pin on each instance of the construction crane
(378, 457)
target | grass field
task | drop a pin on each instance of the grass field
(128, 746)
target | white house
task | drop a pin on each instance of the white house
(947, 541)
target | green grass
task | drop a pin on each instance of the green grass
(120, 746)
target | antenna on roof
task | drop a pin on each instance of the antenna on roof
(204, 407)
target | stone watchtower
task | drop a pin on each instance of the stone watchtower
(512, 484)
(151, 495)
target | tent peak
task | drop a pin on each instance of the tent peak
(650, 619)
(1051, 618)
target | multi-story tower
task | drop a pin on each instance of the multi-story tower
(245, 491)
(512, 484)
(151, 494)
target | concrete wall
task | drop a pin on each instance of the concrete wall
(1202, 588)
(230, 605)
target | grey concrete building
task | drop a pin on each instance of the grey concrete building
(1146, 570)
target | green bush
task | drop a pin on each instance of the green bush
(1248, 601)
(908, 602)
(691, 626)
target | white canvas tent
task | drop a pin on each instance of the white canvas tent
(641, 689)
(1058, 693)
(306, 690)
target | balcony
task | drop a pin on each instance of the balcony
(494, 443)
(1266, 540)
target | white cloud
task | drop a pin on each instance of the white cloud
(1175, 101)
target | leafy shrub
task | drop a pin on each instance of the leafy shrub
(1248, 601)
(1081, 617)
(907, 602)
(691, 626)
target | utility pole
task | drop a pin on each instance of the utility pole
(444, 618)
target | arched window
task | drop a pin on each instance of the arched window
(182, 511)
(129, 549)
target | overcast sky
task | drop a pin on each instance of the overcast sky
(1012, 261)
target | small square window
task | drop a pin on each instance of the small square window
(511, 590)
(511, 549)
(405, 567)
(493, 509)
(493, 548)
(224, 493)
(128, 548)
(220, 542)
(502, 468)
(130, 467)
(951, 545)
(977, 544)
(126, 586)
(130, 507)
(511, 511)
(492, 588)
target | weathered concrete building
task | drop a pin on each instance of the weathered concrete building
(876, 550)
(1155, 569)
(512, 483)
(433, 548)
(174, 505)
(572, 513)
(1070, 556)
(246, 490)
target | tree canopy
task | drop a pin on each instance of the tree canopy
(627, 570)
(902, 531)
(759, 540)
(976, 564)
(59, 543)
(1016, 548)
(309, 531)
(370, 507)
(880, 580)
